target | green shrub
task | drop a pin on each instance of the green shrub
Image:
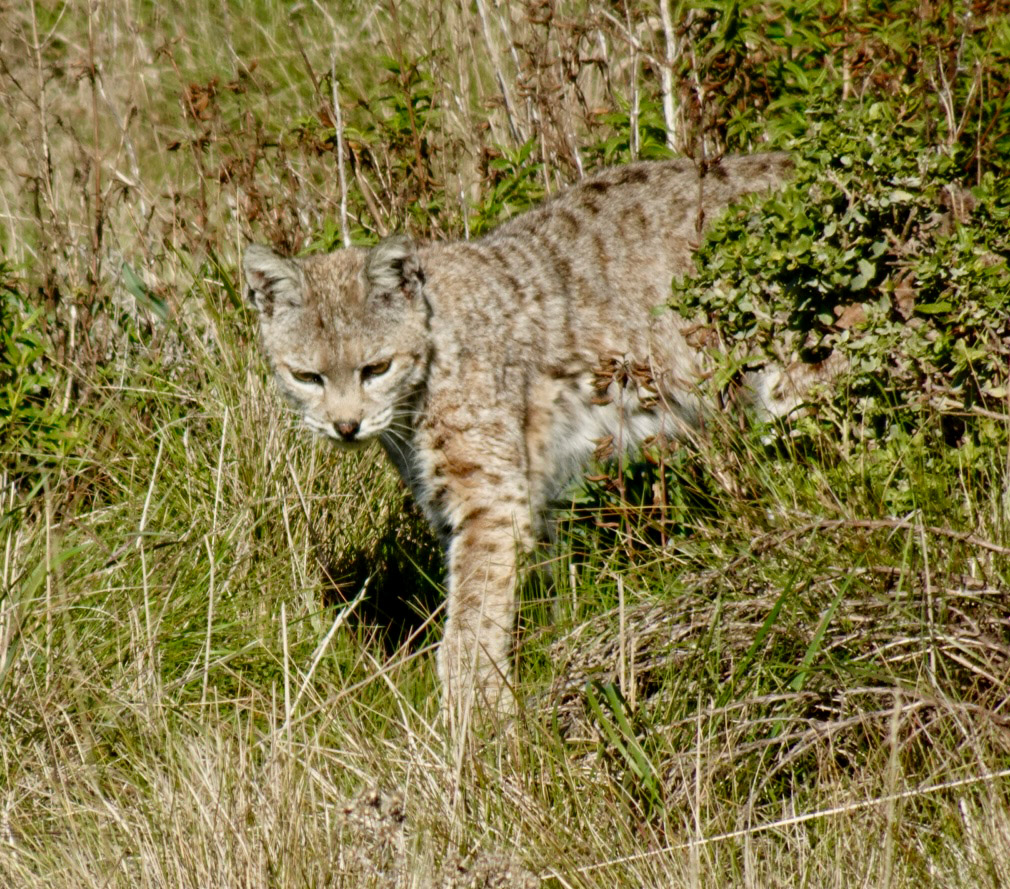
(890, 244)
(876, 250)
(33, 430)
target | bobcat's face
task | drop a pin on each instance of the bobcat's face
(347, 335)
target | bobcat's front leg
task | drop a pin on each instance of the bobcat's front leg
(492, 524)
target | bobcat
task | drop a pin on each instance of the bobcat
(490, 370)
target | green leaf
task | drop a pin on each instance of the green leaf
(814, 648)
(866, 274)
(142, 294)
(622, 736)
(759, 639)
(937, 308)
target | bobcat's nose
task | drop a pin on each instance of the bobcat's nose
(347, 429)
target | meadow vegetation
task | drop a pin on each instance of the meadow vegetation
(777, 657)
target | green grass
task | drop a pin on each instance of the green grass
(769, 660)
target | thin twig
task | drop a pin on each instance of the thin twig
(956, 409)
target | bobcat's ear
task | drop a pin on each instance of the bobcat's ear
(274, 282)
(393, 266)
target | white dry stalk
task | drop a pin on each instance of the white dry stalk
(504, 25)
(208, 545)
(635, 97)
(296, 570)
(890, 807)
(338, 123)
(220, 472)
(286, 728)
(145, 577)
(517, 137)
(338, 622)
(666, 76)
(573, 583)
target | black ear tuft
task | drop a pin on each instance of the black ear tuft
(274, 282)
(393, 265)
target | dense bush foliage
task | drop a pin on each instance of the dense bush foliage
(877, 250)
(890, 245)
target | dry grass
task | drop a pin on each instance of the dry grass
(192, 695)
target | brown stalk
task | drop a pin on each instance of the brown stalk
(97, 210)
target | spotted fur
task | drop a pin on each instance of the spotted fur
(490, 370)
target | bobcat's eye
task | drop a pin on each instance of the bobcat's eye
(307, 376)
(377, 369)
